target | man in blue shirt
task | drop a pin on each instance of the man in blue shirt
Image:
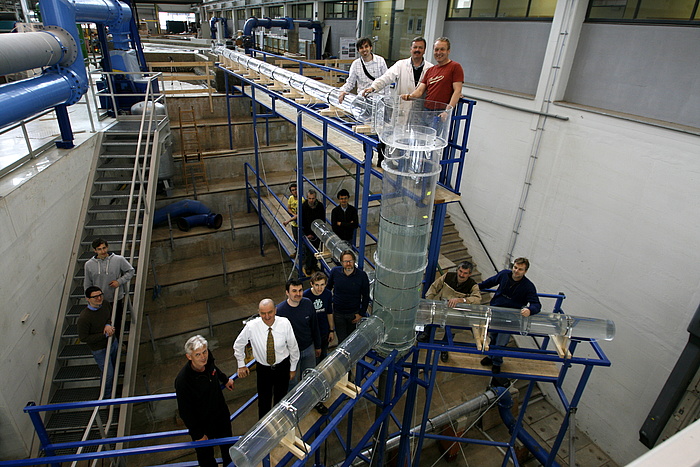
(322, 300)
(350, 288)
(514, 291)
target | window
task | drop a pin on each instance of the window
(518, 9)
(165, 17)
(303, 11)
(346, 9)
(256, 12)
(240, 15)
(276, 11)
(645, 11)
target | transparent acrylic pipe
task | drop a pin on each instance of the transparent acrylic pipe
(314, 387)
(325, 233)
(415, 137)
(360, 107)
(507, 319)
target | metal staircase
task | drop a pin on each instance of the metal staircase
(117, 207)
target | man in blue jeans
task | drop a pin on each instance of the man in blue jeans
(514, 291)
(95, 328)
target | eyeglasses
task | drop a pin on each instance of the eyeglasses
(97, 296)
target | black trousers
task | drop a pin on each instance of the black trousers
(344, 325)
(220, 429)
(273, 383)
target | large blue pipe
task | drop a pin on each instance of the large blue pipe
(285, 23)
(63, 83)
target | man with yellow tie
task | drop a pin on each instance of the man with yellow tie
(276, 353)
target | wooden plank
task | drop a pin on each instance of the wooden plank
(176, 64)
(186, 91)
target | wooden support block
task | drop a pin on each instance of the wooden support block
(334, 112)
(296, 445)
(276, 87)
(346, 387)
(478, 333)
(292, 94)
(561, 343)
(363, 129)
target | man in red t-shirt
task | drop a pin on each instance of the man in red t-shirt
(443, 82)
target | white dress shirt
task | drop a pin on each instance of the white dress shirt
(255, 332)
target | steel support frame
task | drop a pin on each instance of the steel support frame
(431, 367)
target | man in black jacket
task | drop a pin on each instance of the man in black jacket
(344, 219)
(311, 209)
(200, 400)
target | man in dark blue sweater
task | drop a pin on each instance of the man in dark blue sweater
(350, 288)
(300, 312)
(514, 291)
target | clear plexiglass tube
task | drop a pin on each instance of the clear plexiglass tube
(507, 319)
(314, 387)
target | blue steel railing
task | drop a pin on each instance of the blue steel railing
(35, 414)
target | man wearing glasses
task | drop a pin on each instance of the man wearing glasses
(350, 288)
(514, 291)
(95, 328)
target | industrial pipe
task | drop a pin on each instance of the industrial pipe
(415, 134)
(25, 51)
(315, 386)
(505, 403)
(360, 107)
(325, 233)
(283, 23)
(471, 407)
(66, 80)
(507, 319)
(182, 208)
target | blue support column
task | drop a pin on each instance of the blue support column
(64, 125)
(434, 248)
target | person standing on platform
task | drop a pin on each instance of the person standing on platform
(514, 291)
(322, 300)
(201, 402)
(442, 82)
(350, 288)
(276, 353)
(311, 209)
(455, 287)
(406, 73)
(364, 70)
(344, 219)
(292, 205)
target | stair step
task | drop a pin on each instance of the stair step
(113, 180)
(71, 332)
(73, 373)
(74, 310)
(76, 435)
(109, 223)
(64, 396)
(115, 241)
(74, 351)
(107, 194)
(110, 208)
(74, 421)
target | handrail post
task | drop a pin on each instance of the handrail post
(41, 432)
(223, 265)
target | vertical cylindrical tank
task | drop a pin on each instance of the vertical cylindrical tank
(415, 134)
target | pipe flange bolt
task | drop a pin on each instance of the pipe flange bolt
(68, 44)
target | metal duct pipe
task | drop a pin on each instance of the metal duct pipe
(25, 51)
(476, 405)
(30, 96)
(507, 319)
(505, 403)
(314, 387)
(66, 80)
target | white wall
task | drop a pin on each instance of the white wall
(38, 222)
(612, 220)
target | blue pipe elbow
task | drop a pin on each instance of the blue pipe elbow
(211, 220)
(181, 208)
